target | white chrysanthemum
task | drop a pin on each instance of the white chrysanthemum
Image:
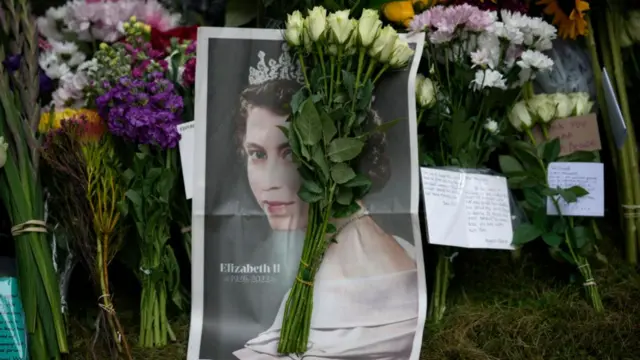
(488, 78)
(531, 59)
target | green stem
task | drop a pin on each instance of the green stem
(304, 72)
(382, 71)
(324, 67)
(358, 75)
(331, 82)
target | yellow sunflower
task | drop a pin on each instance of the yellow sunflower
(568, 16)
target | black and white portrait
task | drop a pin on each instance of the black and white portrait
(249, 224)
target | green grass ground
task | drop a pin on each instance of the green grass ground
(499, 309)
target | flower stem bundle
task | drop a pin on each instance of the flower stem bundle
(20, 187)
(570, 239)
(341, 60)
(83, 182)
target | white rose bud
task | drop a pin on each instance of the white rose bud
(401, 54)
(425, 92)
(351, 45)
(491, 126)
(542, 107)
(564, 105)
(317, 22)
(520, 117)
(383, 45)
(341, 26)
(369, 26)
(580, 103)
(294, 28)
(3, 151)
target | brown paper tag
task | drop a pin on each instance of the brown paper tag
(578, 133)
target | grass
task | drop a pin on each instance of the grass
(499, 309)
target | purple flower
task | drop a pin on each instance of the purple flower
(12, 62)
(143, 110)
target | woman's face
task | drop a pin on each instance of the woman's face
(273, 177)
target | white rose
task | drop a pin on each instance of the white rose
(425, 92)
(294, 28)
(317, 22)
(341, 26)
(401, 54)
(491, 126)
(3, 151)
(564, 105)
(542, 107)
(369, 26)
(383, 45)
(520, 117)
(580, 103)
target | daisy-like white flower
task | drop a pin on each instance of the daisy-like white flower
(488, 78)
(491, 126)
(531, 59)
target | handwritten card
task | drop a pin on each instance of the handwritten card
(589, 176)
(618, 126)
(578, 133)
(13, 344)
(187, 149)
(467, 210)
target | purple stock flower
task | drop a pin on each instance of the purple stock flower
(12, 62)
(143, 110)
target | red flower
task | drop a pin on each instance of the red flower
(161, 40)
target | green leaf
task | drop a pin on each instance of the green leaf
(328, 128)
(241, 12)
(297, 100)
(581, 236)
(460, 131)
(568, 196)
(341, 173)
(384, 127)
(312, 187)
(578, 191)
(308, 123)
(309, 197)
(551, 150)
(349, 82)
(533, 198)
(319, 159)
(525, 233)
(343, 211)
(345, 196)
(510, 165)
(134, 197)
(331, 229)
(552, 239)
(358, 180)
(285, 130)
(579, 156)
(344, 149)
(365, 94)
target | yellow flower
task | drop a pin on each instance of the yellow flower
(51, 121)
(568, 16)
(402, 12)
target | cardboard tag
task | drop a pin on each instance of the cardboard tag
(578, 133)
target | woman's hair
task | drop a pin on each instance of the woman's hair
(276, 95)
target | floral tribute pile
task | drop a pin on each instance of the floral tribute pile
(116, 78)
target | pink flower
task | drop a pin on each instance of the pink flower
(152, 13)
(189, 74)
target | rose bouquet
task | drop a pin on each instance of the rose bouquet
(480, 63)
(341, 60)
(84, 186)
(142, 108)
(569, 238)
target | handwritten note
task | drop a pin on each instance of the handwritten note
(13, 343)
(589, 176)
(187, 149)
(618, 126)
(578, 133)
(467, 210)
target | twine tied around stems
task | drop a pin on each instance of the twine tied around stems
(590, 282)
(109, 307)
(308, 283)
(186, 229)
(631, 211)
(145, 271)
(37, 226)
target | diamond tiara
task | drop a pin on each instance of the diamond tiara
(285, 68)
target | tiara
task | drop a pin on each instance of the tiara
(285, 68)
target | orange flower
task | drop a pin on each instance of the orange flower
(568, 16)
(402, 12)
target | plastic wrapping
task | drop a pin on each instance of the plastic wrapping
(13, 343)
(572, 71)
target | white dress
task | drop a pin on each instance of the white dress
(353, 319)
